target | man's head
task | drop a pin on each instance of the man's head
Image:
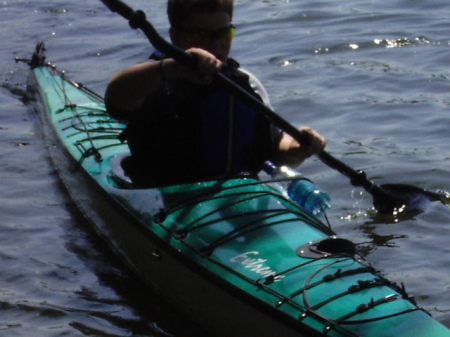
(179, 11)
(202, 24)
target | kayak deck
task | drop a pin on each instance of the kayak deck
(226, 228)
(240, 232)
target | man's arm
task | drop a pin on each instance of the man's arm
(128, 88)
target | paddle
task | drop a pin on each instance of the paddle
(387, 198)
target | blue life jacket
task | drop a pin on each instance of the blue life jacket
(228, 130)
(187, 133)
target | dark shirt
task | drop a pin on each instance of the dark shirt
(185, 133)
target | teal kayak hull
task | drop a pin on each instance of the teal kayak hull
(235, 255)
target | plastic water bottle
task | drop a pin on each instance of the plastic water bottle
(299, 189)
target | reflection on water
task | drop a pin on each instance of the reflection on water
(376, 43)
(374, 240)
(373, 77)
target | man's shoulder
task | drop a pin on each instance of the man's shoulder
(257, 86)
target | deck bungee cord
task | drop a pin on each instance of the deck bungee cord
(79, 119)
(212, 192)
(305, 307)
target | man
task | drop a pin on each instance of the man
(182, 126)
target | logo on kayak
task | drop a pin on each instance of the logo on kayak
(255, 264)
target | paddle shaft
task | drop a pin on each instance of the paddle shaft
(137, 20)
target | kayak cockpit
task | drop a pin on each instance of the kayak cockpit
(117, 170)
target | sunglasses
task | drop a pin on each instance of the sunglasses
(205, 36)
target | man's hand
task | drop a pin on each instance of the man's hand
(207, 66)
(293, 153)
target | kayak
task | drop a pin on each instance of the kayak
(235, 255)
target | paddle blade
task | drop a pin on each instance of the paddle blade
(398, 198)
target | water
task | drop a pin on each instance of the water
(373, 77)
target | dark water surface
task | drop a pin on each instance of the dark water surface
(373, 77)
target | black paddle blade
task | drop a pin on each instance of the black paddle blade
(398, 198)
